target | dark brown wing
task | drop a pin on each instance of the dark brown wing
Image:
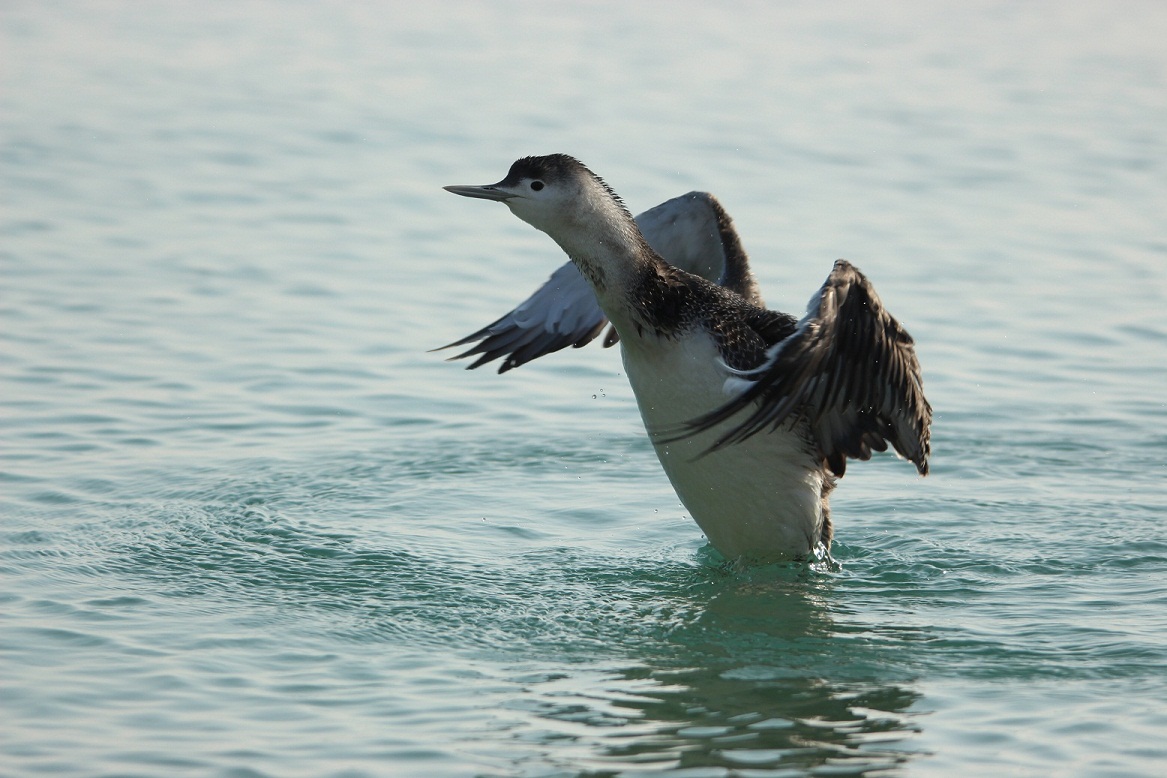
(850, 369)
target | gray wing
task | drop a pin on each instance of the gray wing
(692, 232)
(561, 313)
(850, 369)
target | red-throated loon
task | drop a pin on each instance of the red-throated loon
(752, 413)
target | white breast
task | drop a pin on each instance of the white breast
(761, 498)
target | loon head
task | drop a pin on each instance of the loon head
(556, 194)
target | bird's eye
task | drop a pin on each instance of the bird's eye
(537, 185)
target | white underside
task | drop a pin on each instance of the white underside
(759, 499)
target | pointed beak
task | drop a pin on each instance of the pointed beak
(489, 192)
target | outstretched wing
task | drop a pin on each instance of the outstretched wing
(561, 313)
(692, 232)
(850, 369)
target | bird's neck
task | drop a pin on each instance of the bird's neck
(614, 257)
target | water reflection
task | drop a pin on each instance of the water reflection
(758, 678)
(712, 717)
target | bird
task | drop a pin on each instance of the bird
(753, 413)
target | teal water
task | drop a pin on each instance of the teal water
(250, 527)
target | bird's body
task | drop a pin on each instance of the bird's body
(752, 413)
(762, 494)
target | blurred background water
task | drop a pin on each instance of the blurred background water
(250, 527)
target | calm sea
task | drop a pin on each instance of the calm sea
(250, 527)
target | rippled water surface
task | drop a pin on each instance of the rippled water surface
(250, 527)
